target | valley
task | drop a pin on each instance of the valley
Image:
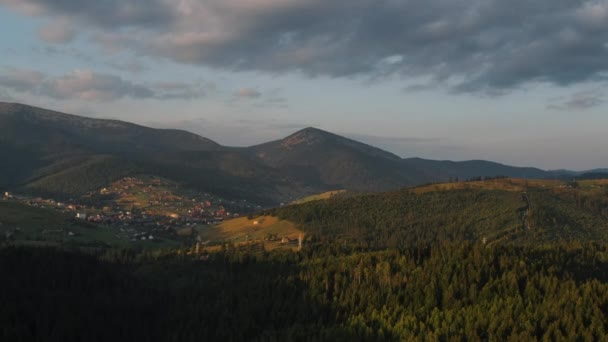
(164, 235)
(303, 171)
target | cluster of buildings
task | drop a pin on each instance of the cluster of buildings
(145, 208)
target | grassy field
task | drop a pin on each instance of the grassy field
(30, 225)
(317, 197)
(26, 223)
(510, 184)
(593, 183)
(268, 229)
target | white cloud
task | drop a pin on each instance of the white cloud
(20, 79)
(57, 32)
(87, 85)
(248, 93)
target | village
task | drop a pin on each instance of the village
(145, 208)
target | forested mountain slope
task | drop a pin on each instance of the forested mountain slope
(50, 153)
(493, 211)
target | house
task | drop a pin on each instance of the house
(8, 195)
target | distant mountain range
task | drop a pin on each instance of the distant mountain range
(51, 153)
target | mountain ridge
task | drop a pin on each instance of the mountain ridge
(39, 145)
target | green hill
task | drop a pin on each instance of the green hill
(31, 225)
(500, 211)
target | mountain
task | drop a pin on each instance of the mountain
(343, 163)
(476, 168)
(50, 153)
(336, 162)
(39, 128)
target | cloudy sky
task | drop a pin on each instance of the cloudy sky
(516, 81)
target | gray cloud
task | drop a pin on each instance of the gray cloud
(106, 13)
(90, 86)
(579, 101)
(182, 90)
(467, 45)
(134, 67)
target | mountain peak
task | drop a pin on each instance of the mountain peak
(312, 130)
(307, 137)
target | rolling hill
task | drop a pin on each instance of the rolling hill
(46, 227)
(60, 155)
(444, 170)
(496, 211)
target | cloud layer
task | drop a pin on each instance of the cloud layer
(90, 86)
(469, 45)
(578, 101)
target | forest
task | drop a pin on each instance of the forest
(443, 291)
(453, 265)
(404, 218)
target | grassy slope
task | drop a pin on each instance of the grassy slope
(242, 230)
(318, 197)
(47, 226)
(495, 184)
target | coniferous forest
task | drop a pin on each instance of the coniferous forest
(458, 265)
(439, 292)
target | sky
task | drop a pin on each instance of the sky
(515, 81)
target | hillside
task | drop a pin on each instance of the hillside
(497, 211)
(39, 127)
(419, 263)
(463, 170)
(321, 196)
(268, 231)
(40, 226)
